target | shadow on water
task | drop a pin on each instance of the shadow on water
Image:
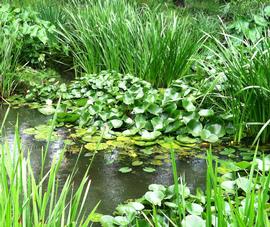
(108, 185)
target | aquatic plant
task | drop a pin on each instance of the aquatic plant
(124, 103)
(238, 197)
(118, 35)
(245, 84)
(27, 200)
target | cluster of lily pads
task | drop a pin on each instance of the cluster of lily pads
(160, 203)
(126, 105)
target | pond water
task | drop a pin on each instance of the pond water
(108, 185)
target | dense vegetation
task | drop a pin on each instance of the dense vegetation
(165, 73)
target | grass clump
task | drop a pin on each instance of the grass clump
(26, 200)
(116, 35)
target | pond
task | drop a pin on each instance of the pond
(108, 185)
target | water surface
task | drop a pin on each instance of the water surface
(108, 185)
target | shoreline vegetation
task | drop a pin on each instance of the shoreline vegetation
(143, 74)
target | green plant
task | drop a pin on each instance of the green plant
(115, 35)
(27, 31)
(9, 55)
(27, 201)
(245, 84)
(238, 197)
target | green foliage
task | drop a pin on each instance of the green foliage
(244, 71)
(252, 27)
(26, 200)
(27, 32)
(115, 35)
(239, 198)
(130, 105)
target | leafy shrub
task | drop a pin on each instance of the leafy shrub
(27, 31)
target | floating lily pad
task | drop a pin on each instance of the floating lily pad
(149, 169)
(125, 170)
(30, 131)
(154, 197)
(186, 139)
(137, 163)
(96, 147)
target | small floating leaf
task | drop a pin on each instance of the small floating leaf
(137, 163)
(149, 169)
(125, 170)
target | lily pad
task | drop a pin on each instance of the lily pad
(96, 147)
(137, 163)
(149, 169)
(125, 170)
(154, 197)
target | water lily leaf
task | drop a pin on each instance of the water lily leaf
(170, 204)
(137, 163)
(47, 110)
(154, 109)
(140, 121)
(183, 190)
(116, 123)
(186, 139)
(206, 112)
(67, 117)
(156, 162)
(30, 131)
(228, 186)
(120, 220)
(128, 98)
(264, 164)
(206, 135)
(188, 105)
(157, 123)
(149, 136)
(194, 127)
(243, 183)
(125, 209)
(227, 151)
(96, 147)
(243, 164)
(259, 20)
(125, 170)
(267, 11)
(154, 197)
(168, 144)
(144, 143)
(156, 187)
(137, 206)
(107, 221)
(193, 221)
(216, 129)
(173, 126)
(149, 169)
(131, 132)
(194, 208)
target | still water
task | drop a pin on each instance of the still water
(108, 185)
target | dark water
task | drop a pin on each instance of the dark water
(108, 185)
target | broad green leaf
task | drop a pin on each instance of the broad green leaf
(149, 169)
(116, 123)
(188, 105)
(195, 128)
(194, 208)
(149, 136)
(193, 221)
(125, 170)
(206, 112)
(154, 197)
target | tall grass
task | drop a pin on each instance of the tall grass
(116, 35)
(26, 201)
(9, 56)
(247, 86)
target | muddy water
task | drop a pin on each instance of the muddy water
(108, 185)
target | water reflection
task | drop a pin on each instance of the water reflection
(108, 185)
